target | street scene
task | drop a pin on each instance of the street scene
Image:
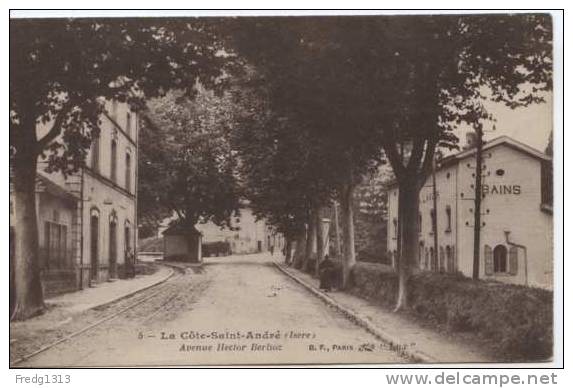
(305, 190)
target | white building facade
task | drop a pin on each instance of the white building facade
(102, 232)
(516, 221)
(251, 235)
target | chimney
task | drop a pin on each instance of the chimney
(471, 140)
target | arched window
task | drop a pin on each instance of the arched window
(113, 174)
(450, 259)
(432, 217)
(127, 236)
(128, 172)
(500, 259)
(448, 218)
(128, 124)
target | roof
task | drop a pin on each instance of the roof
(44, 184)
(508, 141)
(180, 229)
(501, 140)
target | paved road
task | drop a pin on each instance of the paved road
(234, 310)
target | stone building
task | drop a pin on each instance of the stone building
(251, 235)
(86, 221)
(517, 221)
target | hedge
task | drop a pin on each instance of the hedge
(517, 319)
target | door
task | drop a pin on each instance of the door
(112, 249)
(94, 247)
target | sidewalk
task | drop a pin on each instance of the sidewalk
(421, 343)
(106, 292)
(69, 313)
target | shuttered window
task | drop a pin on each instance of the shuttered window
(500, 259)
(113, 173)
(488, 255)
(55, 245)
(513, 260)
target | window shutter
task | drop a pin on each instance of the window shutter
(488, 252)
(442, 263)
(513, 260)
(454, 259)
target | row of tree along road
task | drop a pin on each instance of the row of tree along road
(289, 113)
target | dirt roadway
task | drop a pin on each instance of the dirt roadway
(235, 310)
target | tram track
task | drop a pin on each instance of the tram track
(154, 300)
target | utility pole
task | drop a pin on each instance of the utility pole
(336, 226)
(435, 218)
(477, 200)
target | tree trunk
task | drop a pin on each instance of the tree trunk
(29, 299)
(319, 239)
(408, 208)
(347, 213)
(300, 249)
(310, 242)
(288, 250)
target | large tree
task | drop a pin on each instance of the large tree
(187, 164)
(298, 66)
(397, 83)
(61, 71)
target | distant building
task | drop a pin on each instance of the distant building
(86, 221)
(516, 207)
(251, 236)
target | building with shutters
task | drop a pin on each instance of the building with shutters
(517, 217)
(86, 220)
(249, 235)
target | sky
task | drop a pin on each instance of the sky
(531, 125)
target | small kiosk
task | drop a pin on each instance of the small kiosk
(182, 243)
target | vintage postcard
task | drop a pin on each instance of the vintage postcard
(208, 190)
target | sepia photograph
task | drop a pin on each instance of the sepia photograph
(282, 190)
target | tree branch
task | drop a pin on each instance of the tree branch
(428, 159)
(394, 158)
(56, 127)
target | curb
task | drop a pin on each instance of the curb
(360, 320)
(131, 293)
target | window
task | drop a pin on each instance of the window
(114, 110)
(419, 222)
(55, 245)
(448, 218)
(432, 259)
(128, 172)
(95, 154)
(113, 174)
(432, 219)
(450, 259)
(395, 223)
(128, 124)
(500, 259)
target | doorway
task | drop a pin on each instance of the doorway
(94, 247)
(112, 249)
